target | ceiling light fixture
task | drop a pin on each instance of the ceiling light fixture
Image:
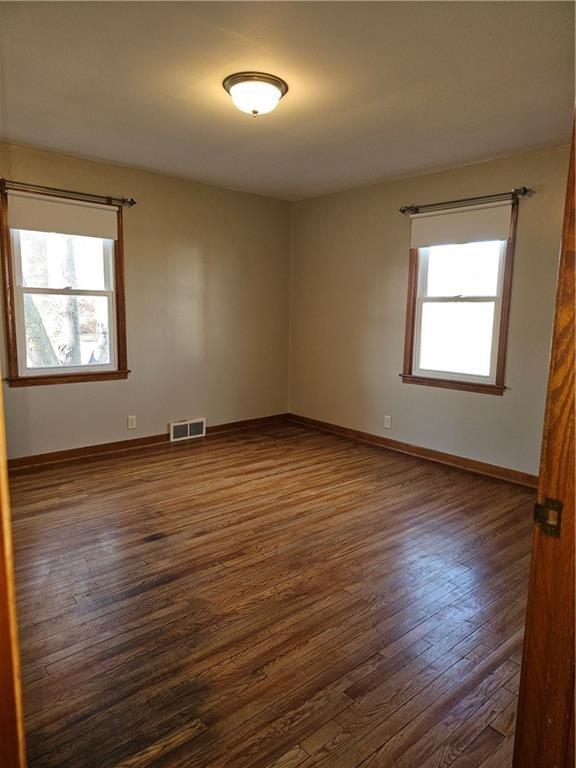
(255, 93)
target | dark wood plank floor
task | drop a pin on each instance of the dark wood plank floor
(269, 599)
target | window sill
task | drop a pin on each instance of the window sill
(466, 386)
(65, 378)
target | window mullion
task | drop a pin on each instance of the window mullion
(457, 299)
(64, 291)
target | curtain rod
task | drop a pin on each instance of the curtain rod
(514, 195)
(18, 186)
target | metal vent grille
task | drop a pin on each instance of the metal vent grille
(186, 430)
(196, 429)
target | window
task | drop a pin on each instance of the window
(63, 290)
(458, 300)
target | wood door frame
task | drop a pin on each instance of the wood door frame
(12, 751)
(545, 725)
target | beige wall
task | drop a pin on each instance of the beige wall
(207, 309)
(348, 304)
(210, 293)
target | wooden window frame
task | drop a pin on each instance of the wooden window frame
(495, 388)
(14, 378)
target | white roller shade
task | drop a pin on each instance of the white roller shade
(55, 214)
(471, 224)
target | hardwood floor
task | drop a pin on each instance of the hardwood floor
(276, 598)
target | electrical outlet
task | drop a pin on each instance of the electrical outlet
(131, 422)
(387, 422)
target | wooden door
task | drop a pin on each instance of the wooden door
(11, 724)
(545, 726)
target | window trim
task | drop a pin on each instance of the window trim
(14, 377)
(467, 383)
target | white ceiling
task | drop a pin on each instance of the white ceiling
(377, 89)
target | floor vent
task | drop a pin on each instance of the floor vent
(185, 430)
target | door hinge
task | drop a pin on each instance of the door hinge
(549, 515)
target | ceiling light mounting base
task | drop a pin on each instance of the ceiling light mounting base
(262, 77)
(255, 93)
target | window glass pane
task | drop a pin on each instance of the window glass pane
(66, 330)
(50, 260)
(457, 337)
(463, 270)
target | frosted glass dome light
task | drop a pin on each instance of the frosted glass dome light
(255, 98)
(255, 93)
